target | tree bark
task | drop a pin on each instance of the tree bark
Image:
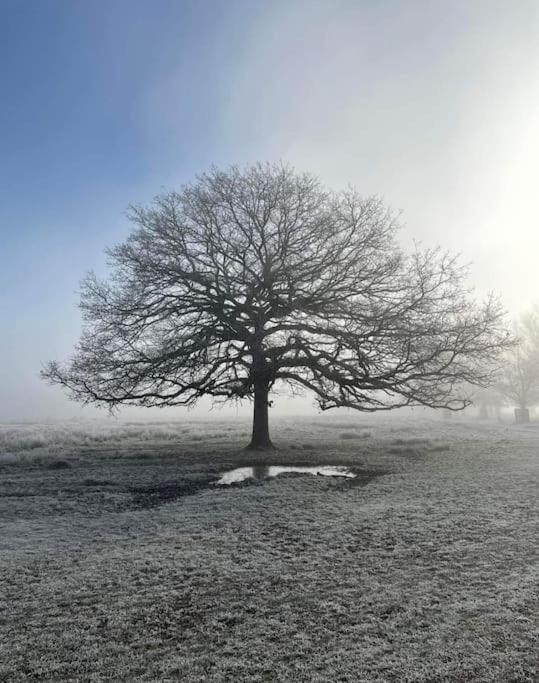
(260, 438)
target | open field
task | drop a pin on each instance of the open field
(120, 560)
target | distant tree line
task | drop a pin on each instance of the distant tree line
(517, 384)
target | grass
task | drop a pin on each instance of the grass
(354, 435)
(131, 565)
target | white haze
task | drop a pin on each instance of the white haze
(432, 105)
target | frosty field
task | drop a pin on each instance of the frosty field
(121, 560)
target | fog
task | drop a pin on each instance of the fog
(433, 106)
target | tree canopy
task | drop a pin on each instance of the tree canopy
(247, 278)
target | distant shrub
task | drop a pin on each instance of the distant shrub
(98, 482)
(354, 435)
(58, 465)
(410, 442)
(9, 459)
(407, 452)
(344, 424)
(439, 448)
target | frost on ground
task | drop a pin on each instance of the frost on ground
(124, 563)
(43, 442)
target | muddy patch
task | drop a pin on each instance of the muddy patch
(166, 492)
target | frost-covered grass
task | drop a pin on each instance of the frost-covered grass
(129, 564)
(37, 442)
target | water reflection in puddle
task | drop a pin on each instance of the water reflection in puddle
(259, 472)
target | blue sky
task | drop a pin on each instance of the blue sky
(433, 105)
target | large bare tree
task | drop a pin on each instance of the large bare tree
(248, 278)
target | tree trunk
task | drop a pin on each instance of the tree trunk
(522, 416)
(260, 439)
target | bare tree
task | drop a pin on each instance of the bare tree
(245, 279)
(519, 380)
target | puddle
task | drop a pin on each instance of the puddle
(157, 494)
(260, 472)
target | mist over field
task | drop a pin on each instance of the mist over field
(432, 106)
(269, 350)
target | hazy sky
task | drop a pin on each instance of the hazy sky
(433, 105)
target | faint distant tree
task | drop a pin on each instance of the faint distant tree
(247, 279)
(519, 380)
(488, 400)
